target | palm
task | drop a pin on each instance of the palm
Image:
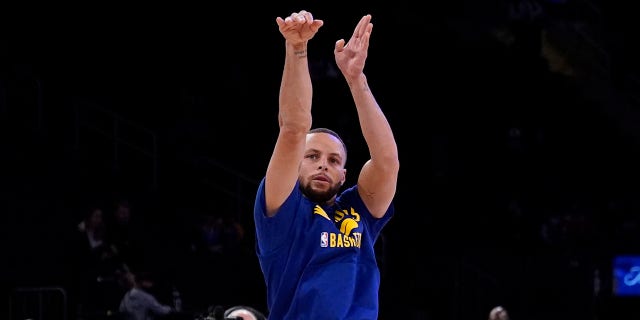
(351, 57)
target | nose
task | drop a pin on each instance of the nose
(323, 166)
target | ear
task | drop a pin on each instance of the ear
(344, 176)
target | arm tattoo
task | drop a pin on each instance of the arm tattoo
(366, 88)
(301, 53)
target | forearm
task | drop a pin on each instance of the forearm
(373, 123)
(159, 309)
(295, 89)
(295, 121)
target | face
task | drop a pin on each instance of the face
(123, 214)
(95, 219)
(322, 171)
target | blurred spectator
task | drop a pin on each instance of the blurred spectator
(94, 265)
(125, 234)
(219, 234)
(139, 303)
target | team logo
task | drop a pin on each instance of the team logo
(347, 222)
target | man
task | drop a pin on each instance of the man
(138, 303)
(315, 243)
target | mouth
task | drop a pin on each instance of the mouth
(321, 177)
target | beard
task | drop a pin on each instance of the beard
(320, 196)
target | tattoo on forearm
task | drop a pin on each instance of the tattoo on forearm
(300, 53)
(366, 88)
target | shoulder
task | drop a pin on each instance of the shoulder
(350, 196)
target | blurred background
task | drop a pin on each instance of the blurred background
(149, 127)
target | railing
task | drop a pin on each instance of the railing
(38, 303)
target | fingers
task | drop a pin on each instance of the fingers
(363, 26)
(339, 45)
(305, 16)
(299, 17)
(367, 35)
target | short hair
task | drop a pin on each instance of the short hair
(331, 132)
(235, 311)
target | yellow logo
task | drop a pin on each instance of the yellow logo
(347, 222)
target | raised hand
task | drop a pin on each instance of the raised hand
(351, 57)
(299, 27)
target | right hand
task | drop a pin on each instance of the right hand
(299, 27)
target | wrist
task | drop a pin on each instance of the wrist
(357, 81)
(298, 49)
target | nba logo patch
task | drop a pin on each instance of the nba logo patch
(324, 239)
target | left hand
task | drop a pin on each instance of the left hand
(351, 57)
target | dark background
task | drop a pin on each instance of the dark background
(516, 122)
